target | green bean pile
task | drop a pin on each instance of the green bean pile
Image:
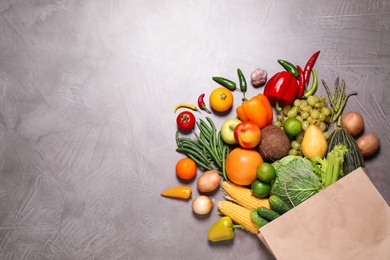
(209, 151)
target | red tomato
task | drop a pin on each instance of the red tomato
(185, 121)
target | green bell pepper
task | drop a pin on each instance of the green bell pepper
(222, 229)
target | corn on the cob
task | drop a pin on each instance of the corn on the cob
(244, 196)
(238, 214)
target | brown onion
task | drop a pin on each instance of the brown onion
(202, 205)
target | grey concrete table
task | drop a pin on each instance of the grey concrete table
(87, 91)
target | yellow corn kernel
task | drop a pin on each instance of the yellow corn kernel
(238, 214)
(244, 196)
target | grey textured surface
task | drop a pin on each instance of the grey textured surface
(87, 91)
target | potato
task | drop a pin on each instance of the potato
(208, 181)
(353, 123)
(368, 144)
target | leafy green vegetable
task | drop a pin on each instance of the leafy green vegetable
(298, 178)
(331, 168)
(295, 180)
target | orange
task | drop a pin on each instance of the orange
(241, 165)
(186, 168)
(221, 99)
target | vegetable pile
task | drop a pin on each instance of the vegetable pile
(277, 152)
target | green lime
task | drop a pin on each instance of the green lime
(292, 126)
(260, 189)
(266, 172)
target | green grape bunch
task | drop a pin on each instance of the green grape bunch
(313, 110)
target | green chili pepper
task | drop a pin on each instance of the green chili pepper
(314, 85)
(227, 83)
(288, 66)
(242, 80)
(222, 229)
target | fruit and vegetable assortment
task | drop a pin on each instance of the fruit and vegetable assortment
(276, 153)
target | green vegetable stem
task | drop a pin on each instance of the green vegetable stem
(338, 99)
(331, 168)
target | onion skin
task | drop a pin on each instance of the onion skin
(353, 122)
(202, 205)
(368, 144)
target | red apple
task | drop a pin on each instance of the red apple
(247, 134)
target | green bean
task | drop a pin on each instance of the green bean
(220, 145)
(213, 142)
(205, 126)
(196, 149)
(190, 142)
(201, 164)
(193, 153)
(225, 152)
(177, 137)
(214, 145)
(215, 158)
(211, 122)
(203, 130)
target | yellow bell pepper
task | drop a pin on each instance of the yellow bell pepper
(258, 110)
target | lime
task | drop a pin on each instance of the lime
(266, 172)
(292, 126)
(260, 189)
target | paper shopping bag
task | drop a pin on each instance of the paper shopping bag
(347, 220)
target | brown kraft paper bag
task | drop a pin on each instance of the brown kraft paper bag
(348, 220)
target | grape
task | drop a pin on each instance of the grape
(304, 115)
(313, 110)
(297, 102)
(286, 109)
(316, 123)
(293, 152)
(321, 117)
(292, 113)
(295, 144)
(315, 113)
(322, 126)
(306, 108)
(277, 123)
(326, 111)
(299, 137)
(305, 125)
(311, 101)
(326, 135)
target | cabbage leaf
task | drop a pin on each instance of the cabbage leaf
(296, 181)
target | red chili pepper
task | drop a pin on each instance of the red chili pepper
(302, 83)
(201, 103)
(281, 89)
(309, 66)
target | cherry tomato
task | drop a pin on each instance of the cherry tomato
(185, 121)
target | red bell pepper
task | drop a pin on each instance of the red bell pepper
(281, 89)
